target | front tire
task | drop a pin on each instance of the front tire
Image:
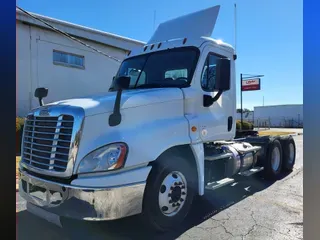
(169, 192)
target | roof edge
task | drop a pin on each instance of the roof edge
(78, 30)
(281, 105)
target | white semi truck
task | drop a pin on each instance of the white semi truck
(163, 134)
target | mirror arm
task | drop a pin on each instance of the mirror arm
(115, 117)
(119, 84)
(40, 101)
(217, 96)
(208, 100)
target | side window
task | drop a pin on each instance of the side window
(208, 77)
(68, 59)
(134, 74)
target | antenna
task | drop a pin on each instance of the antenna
(235, 28)
(154, 20)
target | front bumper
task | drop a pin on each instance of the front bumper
(55, 199)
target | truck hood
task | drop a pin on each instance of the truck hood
(102, 103)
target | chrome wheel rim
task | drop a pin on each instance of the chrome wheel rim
(275, 159)
(291, 153)
(172, 193)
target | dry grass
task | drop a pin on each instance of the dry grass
(17, 164)
(274, 133)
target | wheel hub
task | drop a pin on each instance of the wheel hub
(172, 193)
(176, 194)
(275, 159)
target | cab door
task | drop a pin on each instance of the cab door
(216, 121)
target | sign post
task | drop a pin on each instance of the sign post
(250, 83)
(241, 100)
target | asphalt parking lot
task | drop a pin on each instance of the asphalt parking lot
(252, 208)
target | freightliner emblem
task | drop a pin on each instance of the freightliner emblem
(44, 112)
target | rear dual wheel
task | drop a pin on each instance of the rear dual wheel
(281, 156)
(289, 153)
(273, 161)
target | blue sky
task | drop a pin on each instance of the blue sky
(269, 34)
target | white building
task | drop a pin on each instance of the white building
(279, 115)
(68, 69)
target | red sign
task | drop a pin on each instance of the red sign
(250, 84)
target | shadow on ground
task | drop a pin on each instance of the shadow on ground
(32, 227)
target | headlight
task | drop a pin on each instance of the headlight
(109, 157)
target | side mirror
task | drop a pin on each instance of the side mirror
(223, 77)
(119, 83)
(122, 82)
(41, 93)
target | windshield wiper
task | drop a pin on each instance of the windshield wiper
(149, 85)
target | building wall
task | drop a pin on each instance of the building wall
(35, 67)
(280, 116)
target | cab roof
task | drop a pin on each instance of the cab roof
(177, 43)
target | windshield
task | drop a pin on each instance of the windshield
(169, 68)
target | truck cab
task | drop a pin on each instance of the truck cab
(162, 135)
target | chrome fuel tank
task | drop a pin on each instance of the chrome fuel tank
(244, 157)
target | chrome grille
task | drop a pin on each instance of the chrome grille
(47, 141)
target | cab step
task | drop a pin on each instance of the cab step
(219, 184)
(251, 171)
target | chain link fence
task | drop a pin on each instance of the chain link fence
(272, 122)
(278, 122)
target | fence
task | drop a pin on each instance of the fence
(282, 122)
(262, 123)
(291, 123)
(276, 122)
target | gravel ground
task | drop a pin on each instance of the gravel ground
(250, 209)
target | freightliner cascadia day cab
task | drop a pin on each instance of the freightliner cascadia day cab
(162, 135)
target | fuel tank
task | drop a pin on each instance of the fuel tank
(244, 157)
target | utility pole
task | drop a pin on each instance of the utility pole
(241, 101)
(235, 28)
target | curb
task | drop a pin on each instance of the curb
(296, 134)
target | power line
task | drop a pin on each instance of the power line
(67, 35)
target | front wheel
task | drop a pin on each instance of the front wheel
(169, 192)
